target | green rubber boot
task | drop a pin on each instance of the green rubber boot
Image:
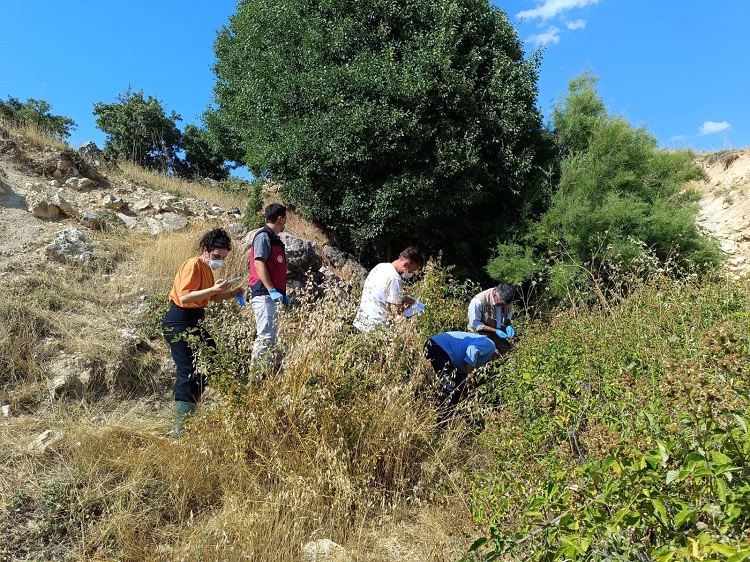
(182, 411)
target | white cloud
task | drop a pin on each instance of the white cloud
(552, 35)
(551, 8)
(710, 127)
(577, 24)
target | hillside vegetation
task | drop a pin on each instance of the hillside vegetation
(616, 431)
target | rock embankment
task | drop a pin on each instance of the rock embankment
(725, 205)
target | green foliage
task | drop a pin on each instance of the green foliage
(580, 114)
(254, 217)
(620, 198)
(623, 435)
(202, 158)
(513, 264)
(35, 113)
(157, 307)
(139, 130)
(446, 299)
(384, 119)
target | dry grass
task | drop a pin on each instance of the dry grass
(182, 187)
(339, 445)
(35, 136)
(158, 258)
(301, 228)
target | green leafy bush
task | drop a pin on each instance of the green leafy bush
(139, 130)
(620, 198)
(622, 434)
(35, 113)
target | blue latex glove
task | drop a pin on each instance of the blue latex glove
(240, 299)
(510, 331)
(286, 300)
(275, 295)
(501, 334)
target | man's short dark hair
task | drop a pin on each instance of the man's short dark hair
(413, 254)
(505, 292)
(216, 239)
(274, 211)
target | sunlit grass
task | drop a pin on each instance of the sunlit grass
(37, 136)
(182, 187)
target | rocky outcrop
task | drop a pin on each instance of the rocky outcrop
(725, 207)
(310, 271)
(71, 246)
(302, 256)
(324, 550)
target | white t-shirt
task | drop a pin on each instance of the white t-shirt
(382, 287)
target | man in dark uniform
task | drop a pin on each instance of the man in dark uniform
(267, 285)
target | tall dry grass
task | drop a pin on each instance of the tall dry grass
(339, 444)
(338, 440)
(182, 187)
(34, 135)
(157, 259)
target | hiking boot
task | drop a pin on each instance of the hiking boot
(182, 411)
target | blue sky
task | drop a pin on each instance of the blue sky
(677, 68)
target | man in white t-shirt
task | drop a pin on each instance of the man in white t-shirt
(381, 294)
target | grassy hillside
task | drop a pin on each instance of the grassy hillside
(617, 432)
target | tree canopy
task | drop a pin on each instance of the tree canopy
(202, 158)
(36, 113)
(385, 120)
(138, 129)
(619, 199)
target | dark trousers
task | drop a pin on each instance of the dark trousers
(178, 323)
(451, 380)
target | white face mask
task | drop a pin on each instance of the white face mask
(215, 264)
(406, 275)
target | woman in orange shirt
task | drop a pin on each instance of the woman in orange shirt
(194, 286)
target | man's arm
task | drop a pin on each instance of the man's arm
(397, 309)
(263, 275)
(475, 318)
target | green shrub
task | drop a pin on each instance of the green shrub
(254, 217)
(619, 198)
(622, 434)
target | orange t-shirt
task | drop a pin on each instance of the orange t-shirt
(193, 275)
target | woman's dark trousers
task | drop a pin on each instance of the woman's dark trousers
(178, 323)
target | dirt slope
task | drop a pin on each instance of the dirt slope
(725, 203)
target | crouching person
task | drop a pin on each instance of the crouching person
(490, 314)
(193, 288)
(454, 356)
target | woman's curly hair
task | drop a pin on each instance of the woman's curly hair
(216, 239)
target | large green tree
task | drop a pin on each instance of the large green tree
(620, 200)
(138, 129)
(385, 120)
(36, 113)
(202, 158)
